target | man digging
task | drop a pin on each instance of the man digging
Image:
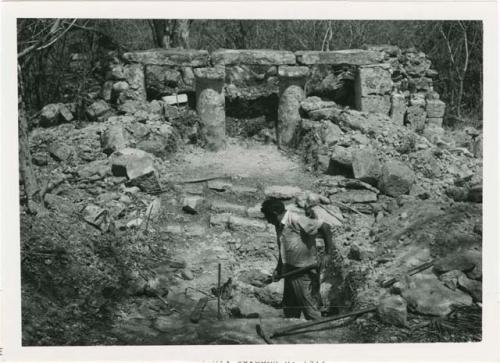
(296, 236)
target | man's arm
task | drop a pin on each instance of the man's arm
(279, 267)
(326, 234)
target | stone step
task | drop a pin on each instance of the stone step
(226, 207)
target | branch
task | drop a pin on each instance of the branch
(450, 52)
(53, 29)
(55, 39)
(466, 62)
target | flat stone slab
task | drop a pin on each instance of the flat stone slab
(282, 191)
(246, 224)
(222, 206)
(214, 73)
(242, 189)
(354, 196)
(169, 57)
(219, 220)
(253, 56)
(427, 295)
(293, 71)
(349, 56)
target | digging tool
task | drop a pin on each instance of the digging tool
(293, 273)
(411, 272)
(263, 335)
(218, 290)
(296, 329)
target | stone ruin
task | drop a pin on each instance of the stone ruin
(378, 79)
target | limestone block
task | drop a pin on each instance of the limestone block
(350, 56)
(396, 178)
(169, 57)
(435, 108)
(416, 117)
(374, 103)
(435, 121)
(398, 108)
(366, 166)
(115, 138)
(252, 56)
(373, 79)
(420, 84)
(315, 103)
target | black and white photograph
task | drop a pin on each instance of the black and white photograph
(187, 181)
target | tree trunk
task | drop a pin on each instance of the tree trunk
(181, 34)
(25, 166)
(161, 33)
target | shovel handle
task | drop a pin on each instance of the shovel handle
(297, 271)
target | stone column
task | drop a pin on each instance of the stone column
(210, 105)
(292, 80)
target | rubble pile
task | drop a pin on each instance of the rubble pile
(398, 190)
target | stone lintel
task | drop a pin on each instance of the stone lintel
(169, 57)
(293, 71)
(210, 73)
(376, 65)
(252, 57)
(350, 56)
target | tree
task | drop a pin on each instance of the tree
(42, 34)
(171, 33)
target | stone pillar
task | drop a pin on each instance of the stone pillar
(292, 80)
(210, 105)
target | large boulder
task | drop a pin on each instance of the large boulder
(392, 310)
(114, 138)
(61, 151)
(473, 287)
(366, 166)
(396, 178)
(427, 295)
(98, 111)
(460, 260)
(55, 113)
(329, 132)
(282, 191)
(271, 294)
(137, 166)
(315, 103)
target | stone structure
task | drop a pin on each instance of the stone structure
(292, 80)
(384, 79)
(210, 105)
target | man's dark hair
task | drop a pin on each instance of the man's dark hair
(272, 205)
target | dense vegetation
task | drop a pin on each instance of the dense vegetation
(455, 47)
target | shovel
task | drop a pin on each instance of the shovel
(291, 273)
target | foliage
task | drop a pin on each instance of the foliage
(455, 47)
(73, 279)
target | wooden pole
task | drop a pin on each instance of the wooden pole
(218, 291)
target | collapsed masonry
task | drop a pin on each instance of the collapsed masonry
(378, 79)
